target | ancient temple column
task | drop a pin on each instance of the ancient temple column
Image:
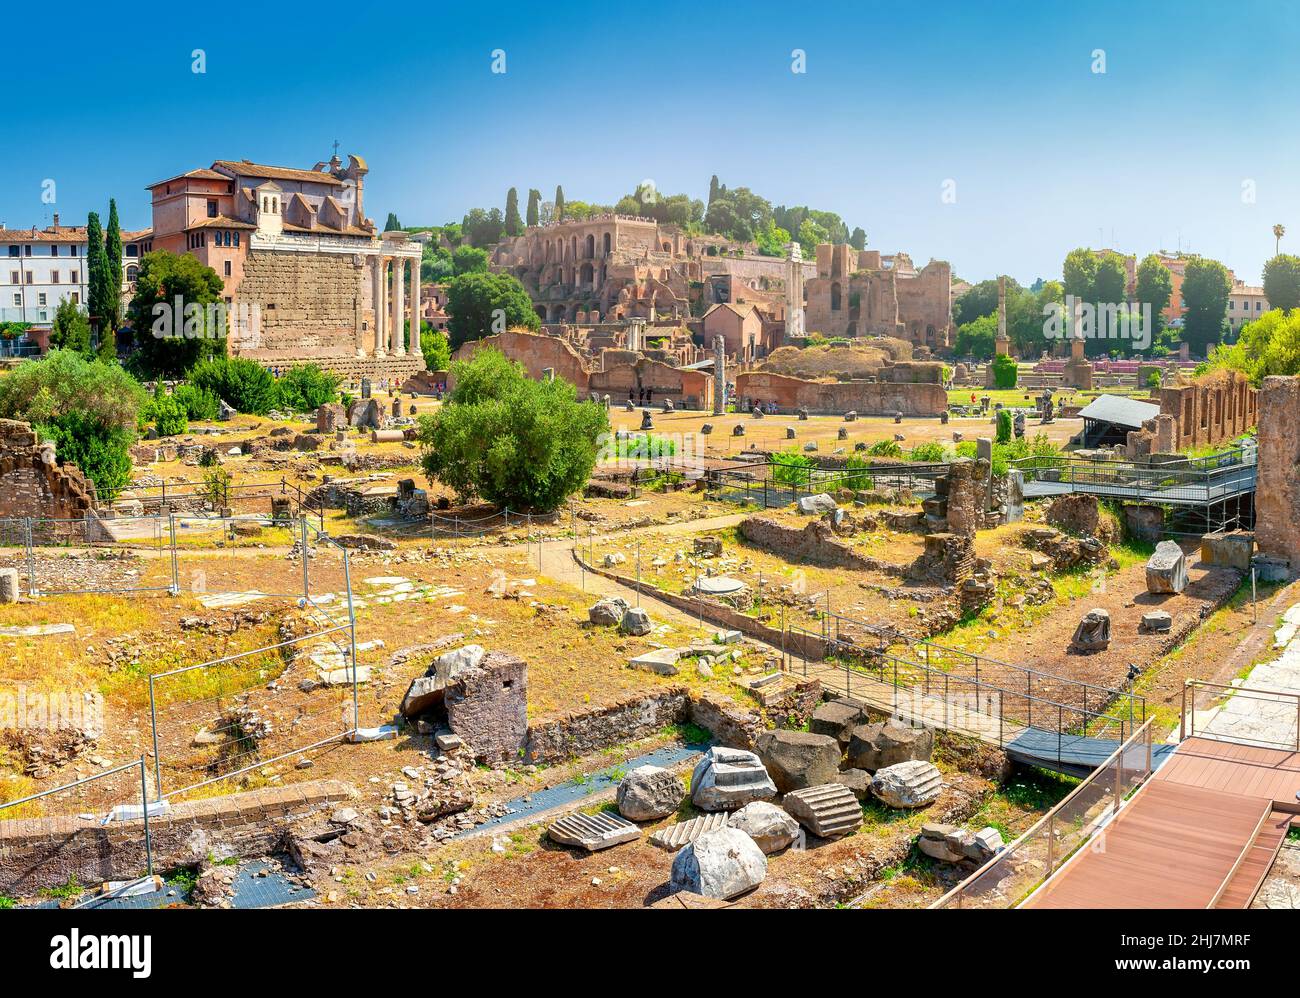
(381, 306)
(415, 308)
(362, 347)
(399, 307)
(719, 376)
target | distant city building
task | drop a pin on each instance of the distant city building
(1246, 302)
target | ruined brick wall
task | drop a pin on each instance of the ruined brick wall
(46, 852)
(1277, 495)
(487, 706)
(536, 352)
(867, 398)
(579, 733)
(33, 484)
(854, 295)
(967, 495)
(690, 389)
(1214, 408)
(311, 305)
(815, 543)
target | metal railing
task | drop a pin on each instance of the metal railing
(1194, 480)
(774, 484)
(1241, 715)
(1011, 876)
(963, 704)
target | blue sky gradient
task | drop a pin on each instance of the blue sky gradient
(1197, 98)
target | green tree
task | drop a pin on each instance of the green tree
(514, 224)
(1108, 285)
(1269, 345)
(534, 203)
(392, 224)
(559, 203)
(714, 189)
(71, 329)
(100, 295)
(1003, 432)
(1282, 282)
(177, 315)
(981, 299)
(858, 240)
(468, 260)
(1079, 274)
(483, 228)
(89, 409)
(976, 338)
(437, 351)
(239, 382)
(113, 255)
(481, 305)
(509, 440)
(1206, 285)
(1154, 286)
(306, 387)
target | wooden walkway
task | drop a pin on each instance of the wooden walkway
(1202, 832)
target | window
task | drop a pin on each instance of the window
(74, 277)
(227, 268)
(42, 316)
(54, 277)
(131, 273)
(29, 277)
(236, 239)
(15, 277)
(212, 208)
(18, 300)
(76, 298)
(40, 299)
(132, 250)
(13, 250)
(54, 250)
(74, 250)
(27, 251)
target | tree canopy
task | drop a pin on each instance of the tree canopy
(1206, 285)
(1282, 282)
(509, 440)
(480, 305)
(169, 341)
(1269, 345)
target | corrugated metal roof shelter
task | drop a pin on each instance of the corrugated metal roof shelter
(1107, 419)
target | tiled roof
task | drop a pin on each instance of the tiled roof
(51, 234)
(244, 168)
(222, 222)
(201, 174)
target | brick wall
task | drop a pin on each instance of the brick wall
(867, 398)
(32, 484)
(46, 852)
(1277, 495)
(311, 305)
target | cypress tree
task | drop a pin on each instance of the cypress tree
(97, 275)
(514, 224)
(713, 188)
(559, 203)
(113, 253)
(534, 202)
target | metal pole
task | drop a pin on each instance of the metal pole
(306, 585)
(638, 574)
(31, 561)
(176, 572)
(352, 637)
(1182, 716)
(1254, 596)
(153, 723)
(144, 808)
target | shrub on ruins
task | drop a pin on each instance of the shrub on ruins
(88, 408)
(167, 415)
(930, 452)
(792, 467)
(244, 384)
(885, 448)
(437, 351)
(481, 305)
(305, 388)
(177, 315)
(1269, 345)
(509, 440)
(197, 403)
(71, 329)
(1005, 371)
(1003, 433)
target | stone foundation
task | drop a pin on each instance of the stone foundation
(33, 484)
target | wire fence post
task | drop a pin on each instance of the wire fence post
(31, 559)
(352, 641)
(176, 571)
(144, 811)
(153, 724)
(306, 583)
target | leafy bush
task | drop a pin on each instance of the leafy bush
(239, 382)
(508, 439)
(1003, 434)
(1005, 371)
(306, 387)
(197, 403)
(929, 453)
(885, 448)
(644, 445)
(102, 452)
(169, 416)
(792, 467)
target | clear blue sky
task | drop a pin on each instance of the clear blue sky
(897, 98)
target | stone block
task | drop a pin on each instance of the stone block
(771, 828)
(593, 831)
(1228, 549)
(681, 833)
(648, 793)
(727, 779)
(877, 746)
(721, 864)
(8, 585)
(1167, 569)
(829, 811)
(908, 785)
(798, 759)
(837, 719)
(1093, 632)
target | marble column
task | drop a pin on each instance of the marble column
(399, 306)
(362, 347)
(381, 307)
(415, 308)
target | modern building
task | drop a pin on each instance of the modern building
(1246, 302)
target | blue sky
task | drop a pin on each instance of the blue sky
(1197, 99)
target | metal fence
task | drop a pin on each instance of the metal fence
(1016, 872)
(1192, 481)
(773, 484)
(1240, 714)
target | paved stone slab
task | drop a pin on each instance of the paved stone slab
(37, 630)
(593, 831)
(674, 836)
(662, 661)
(718, 585)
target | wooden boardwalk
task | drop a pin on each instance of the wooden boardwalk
(1202, 832)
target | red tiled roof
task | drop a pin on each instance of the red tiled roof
(244, 168)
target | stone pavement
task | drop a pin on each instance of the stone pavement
(1264, 719)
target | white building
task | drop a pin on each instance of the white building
(1246, 303)
(39, 269)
